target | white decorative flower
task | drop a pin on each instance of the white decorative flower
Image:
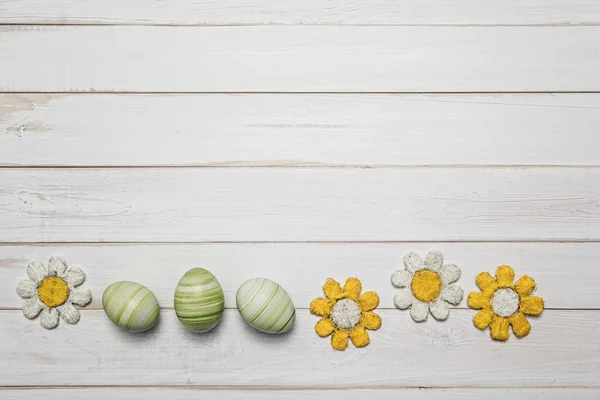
(426, 286)
(52, 292)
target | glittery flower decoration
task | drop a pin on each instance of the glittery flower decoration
(52, 291)
(504, 303)
(346, 314)
(427, 286)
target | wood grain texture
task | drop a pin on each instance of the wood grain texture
(154, 393)
(309, 12)
(299, 130)
(401, 354)
(567, 274)
(299, 204)
(299, 59)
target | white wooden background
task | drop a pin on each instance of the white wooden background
(298, 140)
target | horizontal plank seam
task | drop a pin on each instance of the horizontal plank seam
(196, 243)
(345, 93)
(12, 309)
(290, 388)
(302, 165)
(338, 93)
(5, 22)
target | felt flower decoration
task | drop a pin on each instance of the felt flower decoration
(346, 313)
(504, 303)
(426, 286)
(51, 291)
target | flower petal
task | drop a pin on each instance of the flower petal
(369, 300)
(49, 318)
(401, 278)
(440, 310)
(37, 271)
(69, 313)
(449, 273)
(453, 294)
(332, 289)
(520, 325)
(324, 327)
(26, 289)
(479, 300)
(419, 311)
(532, 305)
(320, 307)
(339, 340)
(505, 276)
(81, 297)
(485, 281)
(371, 321)
(524, 286)
(499, 328)
(57, 266)
(483, 319)
(74, 277)
(359, 337)
(404, 299)
(352, 287)
(413, 262)
(31, 308)
(434, 260)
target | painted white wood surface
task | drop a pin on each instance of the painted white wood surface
(308, 12)
(299, 130)
(179, 393)
(562, 350)
(302, 268)
(299, 59)
(299, 204)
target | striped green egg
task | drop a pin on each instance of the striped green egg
(266, 306)
(131, 306)
(199, 300)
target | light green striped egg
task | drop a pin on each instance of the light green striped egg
(199, 300)
(131, 306)
(266, 306)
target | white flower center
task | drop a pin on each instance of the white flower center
(346, 314)
(505, 302)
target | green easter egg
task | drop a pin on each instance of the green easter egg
(131, 306)
(266, 306)
(199, 300)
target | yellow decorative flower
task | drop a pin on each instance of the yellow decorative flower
(503, 303)
(346, 314)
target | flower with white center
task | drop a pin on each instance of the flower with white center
(51, 291)
(504, 303)
(427, 286)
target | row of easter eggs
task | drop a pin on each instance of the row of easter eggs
(199, 304)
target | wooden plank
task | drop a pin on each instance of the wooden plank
(299, 59)
(402, 354)
(310, 12)
(566, 273)
(171, 393)
(298, 130)
(299, 204)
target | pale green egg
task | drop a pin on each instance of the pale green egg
(131, 306)
(266, 306)
(199, 300)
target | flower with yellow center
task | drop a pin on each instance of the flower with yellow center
(504, 303)
(52, 291)
(346, 314)
(427, 286)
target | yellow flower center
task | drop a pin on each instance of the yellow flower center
(426, 285)
(53, 291)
